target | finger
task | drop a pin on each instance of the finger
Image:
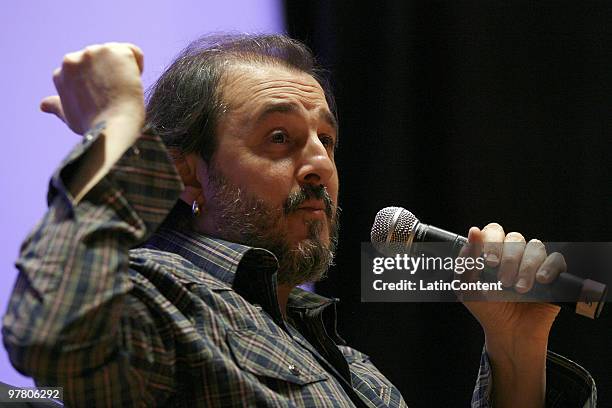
(475, 239)
(551, 268)
(473, 249)
(53, 105)
(474, 245)
(493, 240)
(514, 246)
(533, 257)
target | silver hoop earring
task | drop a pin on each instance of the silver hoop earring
(195, 208)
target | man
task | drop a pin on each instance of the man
(127, 296)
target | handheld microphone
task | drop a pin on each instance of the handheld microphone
(397, 228)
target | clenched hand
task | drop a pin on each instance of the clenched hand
(98, 83)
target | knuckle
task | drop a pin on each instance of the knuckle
(104, 49)
(91, 50)
(69, 60)
(116, 51)
(72, 59)
(100, 50)
(88, 55)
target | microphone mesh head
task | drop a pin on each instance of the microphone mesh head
(393, 226)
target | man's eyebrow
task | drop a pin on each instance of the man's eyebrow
(279, 107)
(290, 107)
(329, 118)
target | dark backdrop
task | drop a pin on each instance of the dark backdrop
(466, 113)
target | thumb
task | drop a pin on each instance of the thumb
(53, 104)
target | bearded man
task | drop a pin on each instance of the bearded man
(166, 269)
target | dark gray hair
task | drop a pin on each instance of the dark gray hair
(184, 105)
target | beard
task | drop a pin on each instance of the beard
(243, 218)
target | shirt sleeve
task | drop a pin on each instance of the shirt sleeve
(71, 320)
(568, 385)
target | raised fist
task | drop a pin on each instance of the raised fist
(100, 82)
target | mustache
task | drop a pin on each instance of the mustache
(309, 192)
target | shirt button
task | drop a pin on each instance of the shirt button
(294, 370)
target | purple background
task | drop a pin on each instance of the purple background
(34, 36)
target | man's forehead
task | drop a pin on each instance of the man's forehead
(267, 83)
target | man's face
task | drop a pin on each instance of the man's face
(273, 181)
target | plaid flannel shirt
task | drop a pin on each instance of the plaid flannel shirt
(184, 319)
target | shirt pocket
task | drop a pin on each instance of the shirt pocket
(271, 357)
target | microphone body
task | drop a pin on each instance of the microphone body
(395, 225)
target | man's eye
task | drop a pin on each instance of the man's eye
(327, 141)
(279, 137)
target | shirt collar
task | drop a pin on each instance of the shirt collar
(248, 270)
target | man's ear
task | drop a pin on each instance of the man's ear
(187, 166)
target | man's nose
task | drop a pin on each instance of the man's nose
(316, 166)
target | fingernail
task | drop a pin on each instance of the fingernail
(492, 259)
(522, 283)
